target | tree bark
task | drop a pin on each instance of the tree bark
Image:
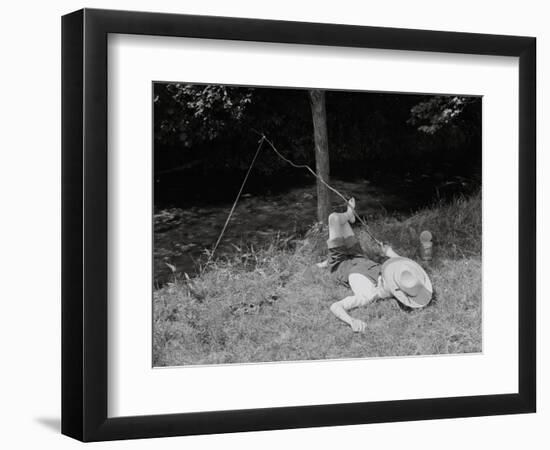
(322, 165)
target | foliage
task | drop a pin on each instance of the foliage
(191, 114)
(218, 125)
(437, 112)
(205, 133)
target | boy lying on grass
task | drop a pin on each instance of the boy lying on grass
(397, 277)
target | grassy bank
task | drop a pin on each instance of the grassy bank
(272, 304)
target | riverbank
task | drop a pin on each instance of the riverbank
(182, 236)
(270, 303)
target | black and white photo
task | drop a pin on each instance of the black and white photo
(308, 224)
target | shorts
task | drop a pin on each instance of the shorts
(361, 265)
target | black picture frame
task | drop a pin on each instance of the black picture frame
(84, 224)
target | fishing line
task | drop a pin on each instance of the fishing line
(236, 200)
(263, 139)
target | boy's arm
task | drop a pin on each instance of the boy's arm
(339, 309)
(388, 251)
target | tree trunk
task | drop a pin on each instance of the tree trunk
(322, 166)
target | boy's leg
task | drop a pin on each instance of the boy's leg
(339, 223)
(338, 226)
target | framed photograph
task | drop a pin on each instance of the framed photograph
(273, 224)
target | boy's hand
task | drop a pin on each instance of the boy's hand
(358, 325)
(388, 251)
(384, 248)
(323, 264)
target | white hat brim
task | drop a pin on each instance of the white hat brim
(391, 267)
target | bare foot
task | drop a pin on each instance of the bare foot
(351, 209)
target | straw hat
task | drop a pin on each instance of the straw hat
(407, 282)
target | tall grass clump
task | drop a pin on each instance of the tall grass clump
(455, 226)
(272, 303)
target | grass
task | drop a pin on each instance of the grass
(272, 304)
